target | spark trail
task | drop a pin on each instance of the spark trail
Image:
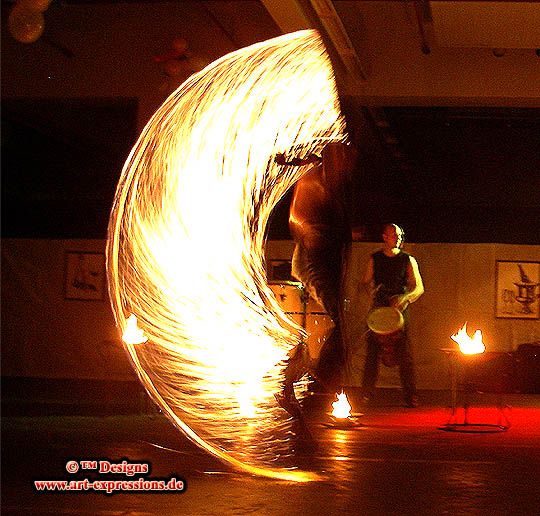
(185, 250)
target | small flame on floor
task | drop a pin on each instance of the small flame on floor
(341, 407)
(469, 345)
(133, 334)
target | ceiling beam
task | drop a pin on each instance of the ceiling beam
(337, 34)
(424, 19)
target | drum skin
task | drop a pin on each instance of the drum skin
(385, 320)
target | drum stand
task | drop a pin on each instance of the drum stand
(469, 388)
(298, 310)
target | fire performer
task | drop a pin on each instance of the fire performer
(320, 227)
(393, 279)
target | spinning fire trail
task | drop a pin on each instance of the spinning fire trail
(185, 251)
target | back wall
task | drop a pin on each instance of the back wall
(46, 335)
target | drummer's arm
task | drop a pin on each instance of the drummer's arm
(415, 286)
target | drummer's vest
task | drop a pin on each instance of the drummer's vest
(391, 274)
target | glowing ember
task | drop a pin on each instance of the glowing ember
(186, 243)
(341, 407)
(468, 345)
(133, 334)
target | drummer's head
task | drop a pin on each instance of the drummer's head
(393, 236)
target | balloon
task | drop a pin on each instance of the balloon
(25, 25)
(35, 5)
(178, 51)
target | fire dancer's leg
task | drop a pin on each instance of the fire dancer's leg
(297, 366)
(329, 369)
(323, 277)
(321, 274)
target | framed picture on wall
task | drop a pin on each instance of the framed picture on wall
(517, 289)
(84, 276)
(279, 270)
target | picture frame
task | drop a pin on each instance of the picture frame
(84, 276)
(279, 270)
(517, 289)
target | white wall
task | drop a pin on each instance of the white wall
(459, 287)
(45, 335)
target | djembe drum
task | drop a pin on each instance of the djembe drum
(386, 322)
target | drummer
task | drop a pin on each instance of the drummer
(392, 278)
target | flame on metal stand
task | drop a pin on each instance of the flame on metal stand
(341, 407)
(469, 345)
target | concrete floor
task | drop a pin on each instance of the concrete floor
(396, 461)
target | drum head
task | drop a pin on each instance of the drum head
(385, 320)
